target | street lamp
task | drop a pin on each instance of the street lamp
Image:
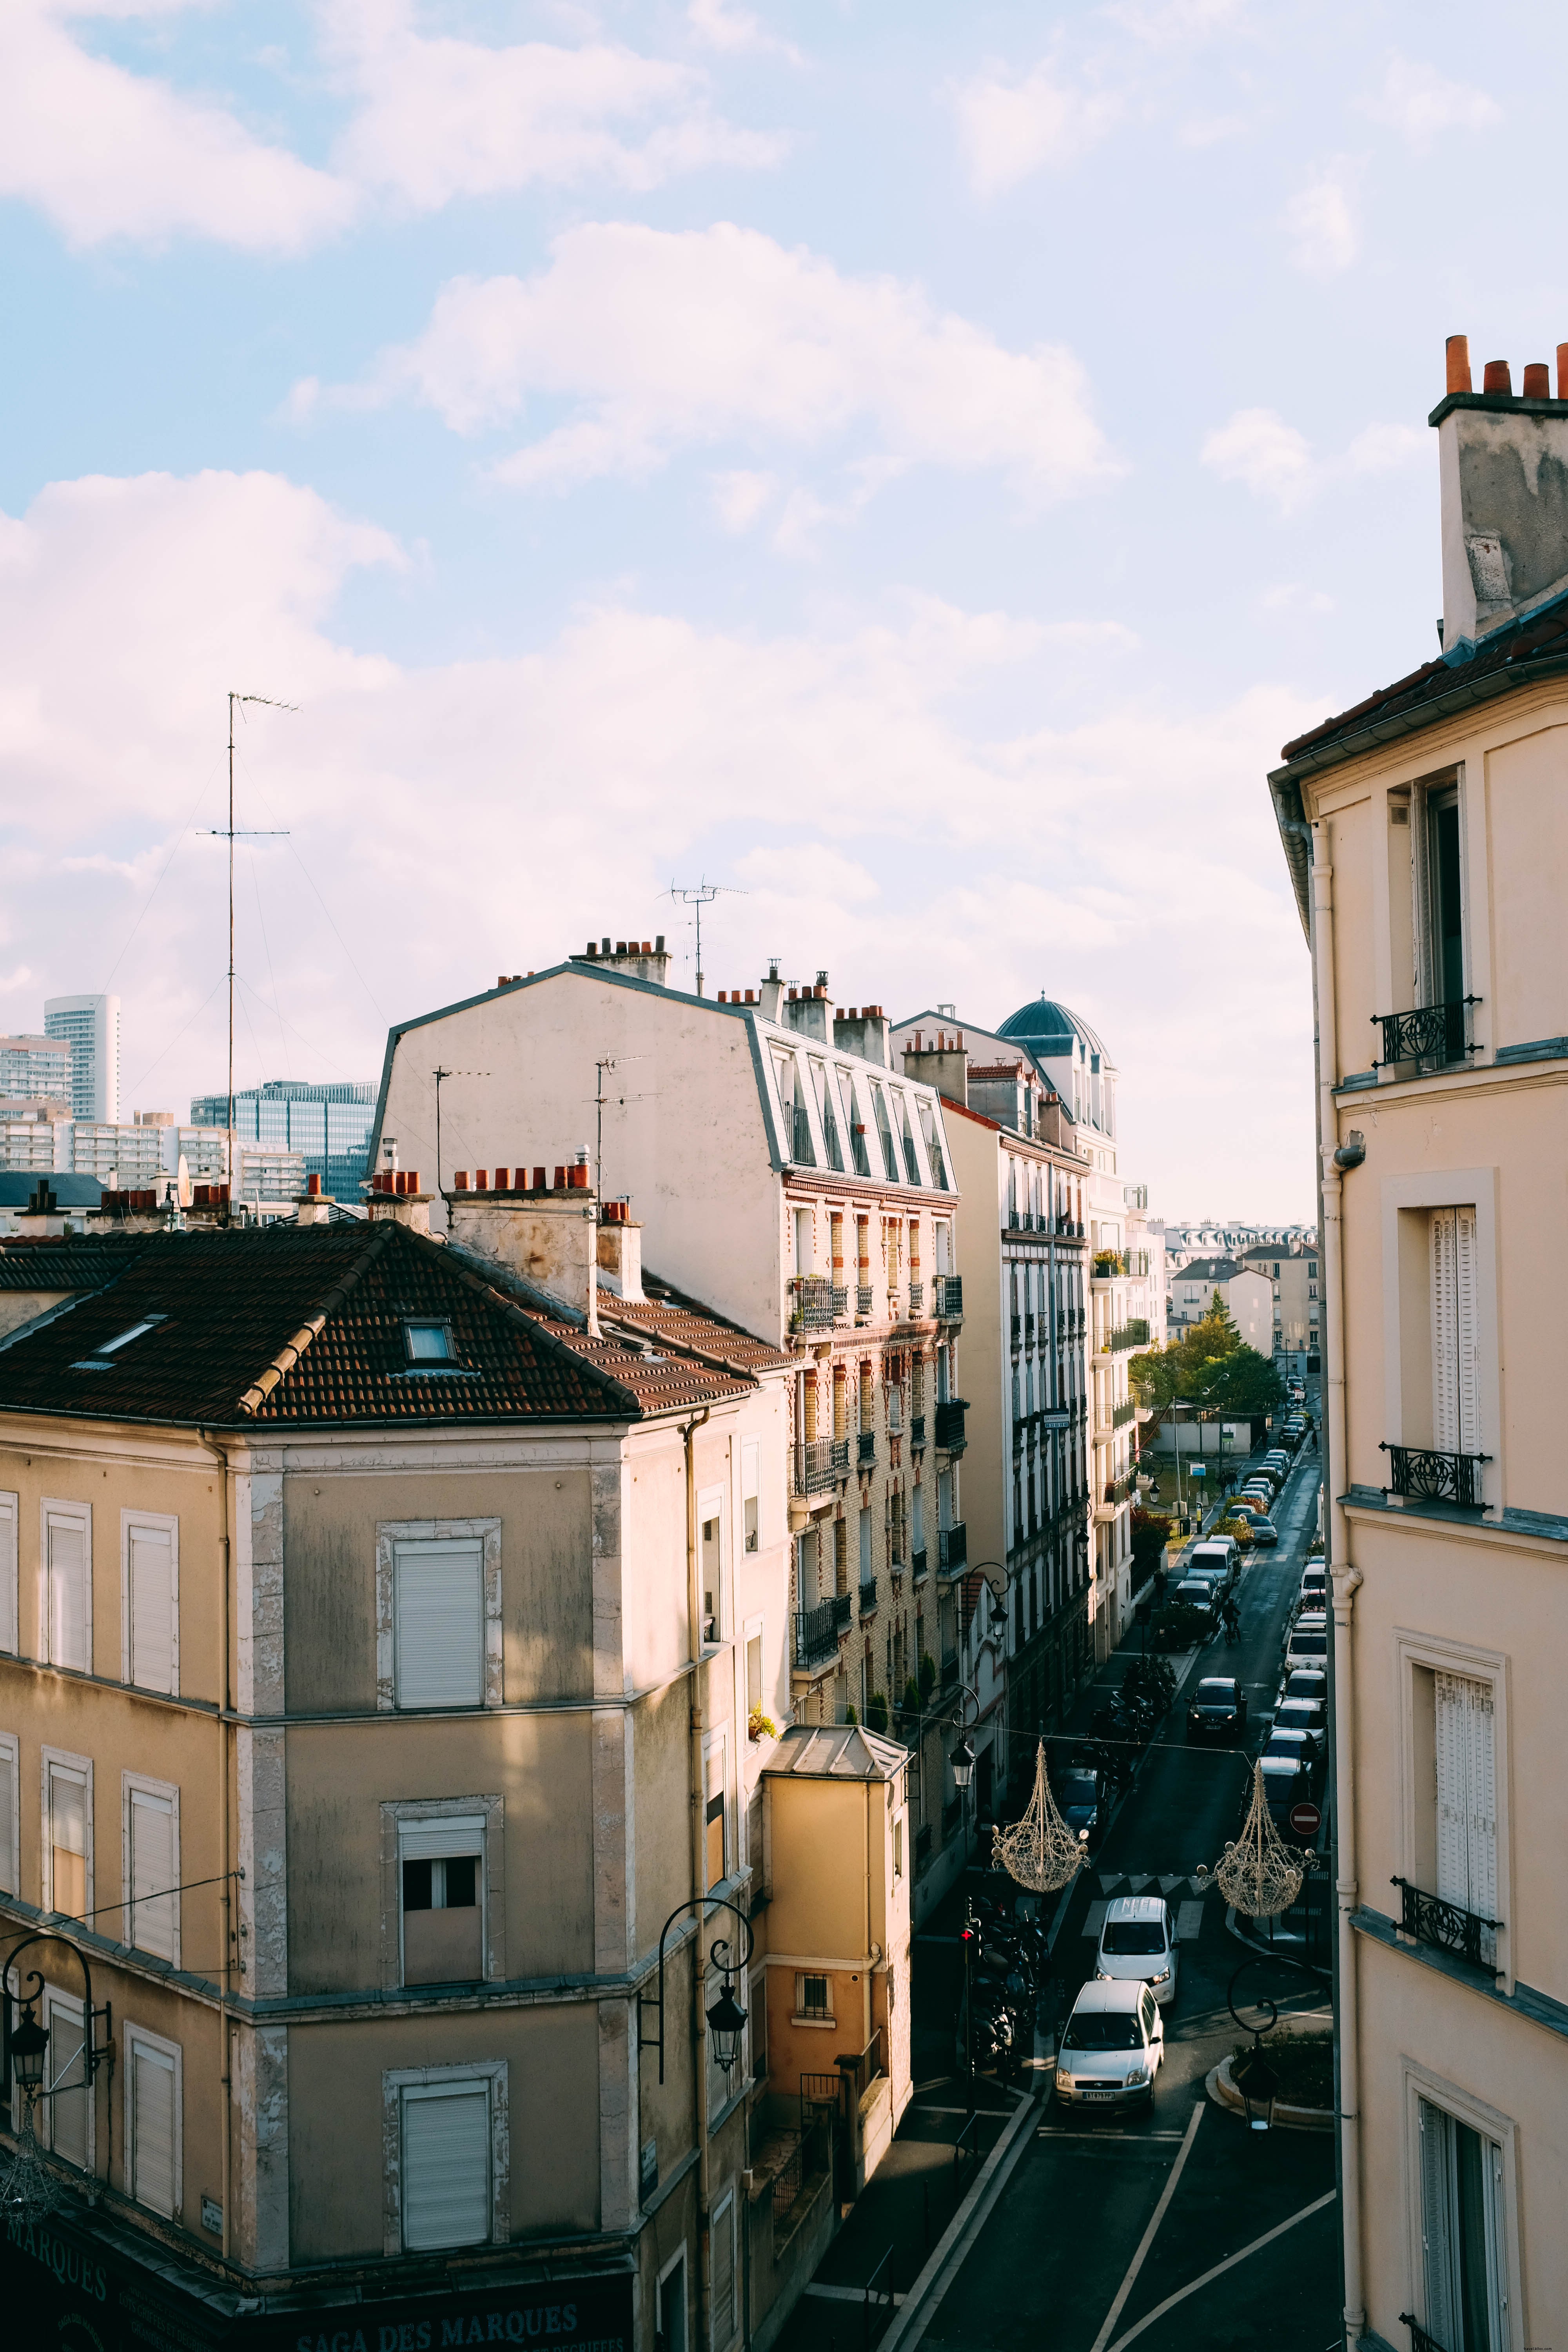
(963, 1766)
(1253, 2076)
(29, 2041)
(726, 2020)
(726, 2023)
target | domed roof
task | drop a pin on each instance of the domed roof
(1049, 1028)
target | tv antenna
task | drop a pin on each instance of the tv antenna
(439, 1074)
(607, 1066)
(245, 833)
(702, 894)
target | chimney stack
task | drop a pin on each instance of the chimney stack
(547, 1235)
(771, 995)
(1503, 468)
(394, 1198)
(941, 1062)
(865, 1031)
(640, 958)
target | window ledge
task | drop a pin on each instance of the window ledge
(1542, 1526)
(818, 2024)
(1354, 1079)
(1540, 2007)
(1540, 1049)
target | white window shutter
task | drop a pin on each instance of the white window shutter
(446, 2165)
(1467, 1326)
(431, 1840)
(66, 2107)
(8, 1823)
(1445, 1335)
(153, 1898)
(1467, 1794)
(67, 1594)
(152, 2128)
(1439, 2235)
(723, 2274)
(152, 1581)
(9, 1634)
(440, 1625)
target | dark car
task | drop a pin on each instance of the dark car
(1218, 1710)
(1078, 1801)
(1287, 1782)
(1265, 1532)
(1293, 1740)
(1308, 1715)
(1306, 1682)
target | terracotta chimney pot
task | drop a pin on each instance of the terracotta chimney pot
(1499, 378)
(1537, 381)
(1458, 352)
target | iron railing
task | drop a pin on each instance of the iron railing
(818, 1301)
(812, 1471)
(917, 1298)
(861, 2069)
(867, 1595)
(1017, 1328)
(918, 1558)
(950, 1424)
(917, 1429)
(1437, 1478)
(952, 1547)
(1433, 1034)
(1421, 2338)
(1123, 1413)
(863, 1298)
(1133, 1333)
(866, 1447)
(817, 1630)
(948, 1298)
(841, 1457)
(1447, 1927)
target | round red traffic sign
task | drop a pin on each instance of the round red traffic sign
(1306, 1819)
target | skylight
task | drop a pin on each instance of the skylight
(429, 1343)
(102, 1359)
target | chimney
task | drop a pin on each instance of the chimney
(865, 1031)
(941, 1062)
(547, 1234)
(771, 995)
(394, 1198)
(313, 1206)
(640, 958)
(807, 1012)
(1503, 469)
(620, 1251)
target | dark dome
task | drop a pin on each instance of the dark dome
(1051, 1028)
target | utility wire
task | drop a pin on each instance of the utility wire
(201, 795)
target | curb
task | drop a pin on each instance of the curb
(947, 2256)
(1220, 2084)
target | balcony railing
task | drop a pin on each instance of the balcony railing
(917, 1558)
(1421, 2338)
(1133, 1333)
(865, 1448)
(867, 1595)
(952, 1547)
(917, 1298)
(841, 1457)
(1432, 1036)
(1447, 1927)
(950, 1424)
(1123, 1413)
(817, 1630)
(863, 1298)
(1017, 1328)
(917, 1429)
(818, 1303)
(812, 1472)
(948, 1298)
(1437, 1478)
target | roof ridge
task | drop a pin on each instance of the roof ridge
(534, 1320)
(288, 1355)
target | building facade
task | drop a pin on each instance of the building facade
(327, 1125)
(1246, 1292)
(1297, 1294)
(1426, 834)
(34, 1068)
(90, 1025)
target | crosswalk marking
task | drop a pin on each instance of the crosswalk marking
(1189, 1923)
(1096, 1919)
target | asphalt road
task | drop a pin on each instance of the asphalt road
(1177, 2227)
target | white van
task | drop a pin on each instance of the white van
(1138, 1944)
(1215, 1551)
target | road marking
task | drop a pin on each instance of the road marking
(1219, 2270)
(847, 2293)
(1189, 1922)
(923, 2300)
(1095, 1920)
(1152, 2233)
(1092, 2138)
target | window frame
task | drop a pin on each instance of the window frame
(1417, 2082)
(163, 2048)
(51, 1759)
(1437, 1654)
(800, 2014)
(725, 2215)
(1406, 1311)
(389, 1534)
(751, 1493)
(11, 1746)
(130, 1785)
(716, 1743)
(61, 1507)
(494, 2073)
(167, 1522)
(711, 1511)
(10, 1576)
(492, 1899)
(56, 2000)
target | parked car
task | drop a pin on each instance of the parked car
(1078, 1804)
(1293, 1740)
(1218, 1579)
(1315, 1579)
(1138, 1945)
(1309, 1642)
(1221, 1551)
(1111, 2047)
(1217, 1711)
(1306, 1681)
(1252, 1503)
(1199, 1595)
(1265, 1533)
(1308, 1715)
(1287, 1782)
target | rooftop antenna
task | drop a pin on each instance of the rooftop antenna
(607, 1066)
(245, 833)
(439, 1074)
(703, 895)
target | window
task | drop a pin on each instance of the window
(66, 1597)
(898, 1845)
(1455, 1386)
(439, 1624)
(446, 2172)
(429, 1343)
(10, 1824)
(10, 1514)
(840, 1555)
(102, 1359)
(152, 2120)
(65, 2117)
(811, 2002)
(827, 1103)
(713, 1812)
(943, 1246)
(754, 1672)
(1446, 900)
(750, 1480)
(152, 1865)
(885, 1131)
(671, 2322)
(441, 1888)
(1465, 2264)
(866, 1569)
(856, 1124)
(68, 1833)
(149, 1602)
(1465, 1747)
(722, 2241)
(707, 1512)
(802, 1241)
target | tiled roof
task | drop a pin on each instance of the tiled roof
(302, 1325)
(56, 1264)
(1534, 647)
(683, 1322)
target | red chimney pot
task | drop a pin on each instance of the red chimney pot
(1499, 378)
(1562, 371)
(1457, 351)
(1537, 381)
(560, 1185)
(481, 1179)
(460, 1181)
(539, 1183)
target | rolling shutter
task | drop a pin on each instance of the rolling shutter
(447, 1833)
(723, 2274)
(8, 1636)
(440, 1625)
(67, 1841)
(66, 2107)
(1466, 1327)
(1455, 1350)
(1466, 1795)
(152, 1899)
(152, 1581)
(446, 2165)
(8, 1821)
(152, 2127)
(1438, 2233)
(67, 1540)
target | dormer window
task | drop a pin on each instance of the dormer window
(103, 1358)
(429, 1343)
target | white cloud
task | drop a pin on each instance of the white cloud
(1011, 128)
(107, 154)
(1320, 218)
(661, 340)
(1291, 596)
(738, 498)
(1381, 448)
(1416, 101)
(1257, 448)
(723, 26)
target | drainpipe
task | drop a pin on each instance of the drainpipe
(699, 1874)
(226, 1882)
(1345, 1579)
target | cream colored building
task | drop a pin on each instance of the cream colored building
(1293, 1274)
(1426, 832)
(384, 1651)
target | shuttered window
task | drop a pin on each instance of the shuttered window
(751, 1481)
(1465, 2272)
(10, 1882)
(65, 2076)
(150, 1843)
(713, 1813)
(439, 1623)
(1456, 1356)
(723, 2274)
(441, 1870)
(67, 1604)
(1467, 1796)
(151, 2133)
(10, 1638)
(68, 1823)
(446, 2178)
(149, 1597)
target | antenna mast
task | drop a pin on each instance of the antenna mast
(703, 895)
(247, 833)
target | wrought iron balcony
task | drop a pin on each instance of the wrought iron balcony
(863, 1298)
(1133, 1333)
(841, 1457)
(917, 1298)
(1017, 1328)
(950, 1424)
(865, 1448)
(816, 1302)
(817, 1630)
(952, 1547)
(948, 1298)
(1029, 1331)
(917, 1558)
(812, 1470)
(1123, 1413)
(1432, 1036)
(1447, 1927)
(867, 1596)
(1421, 2338)
(1437, 1478)
(917, 1430)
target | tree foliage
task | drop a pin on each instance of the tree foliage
(1210, 1367)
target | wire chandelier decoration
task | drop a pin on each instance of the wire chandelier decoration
(27, 2191)
(1257, 1874)
(1040, 1852)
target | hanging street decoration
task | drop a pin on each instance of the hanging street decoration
(1258, 1873)
(1040, 1852)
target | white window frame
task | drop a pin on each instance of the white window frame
(1440, 1655)
(724, 2216)
(719, 1741)
(711, 1506)
(10, 1590)
(11, 1746)
(492, 1900)
(389, 1534)
(49, 1760)
(59, 1506)
(144, 2035)
(166, 1522)
(1443, 1188)
(58, 2003)
(828, 2024)
(751, 1489)
(1419, 2083)
(395, 2081)
(141, 1782)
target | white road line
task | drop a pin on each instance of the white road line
(1220, 2268)
(1109, 2328)
(847, 2294)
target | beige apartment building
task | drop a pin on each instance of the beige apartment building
(387, 1638)
(1297, 1295)
(785, 1171)
(1427, 833)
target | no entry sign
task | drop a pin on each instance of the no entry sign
(1306, 1819)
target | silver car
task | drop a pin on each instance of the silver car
(1111, 2047)
(1138, 1945)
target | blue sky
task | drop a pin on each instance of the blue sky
(913, 466)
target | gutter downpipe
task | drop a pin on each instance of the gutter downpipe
(1345, 1579)
(224, 2072)
(699, 1876)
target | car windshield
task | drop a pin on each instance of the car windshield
(1104, 2028)
(1078, 1789)
(1214, 1690)
(1307, 1685)
(1125, 1937)
(1286, 1743)
(1309, 1645)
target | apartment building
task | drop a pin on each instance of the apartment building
(783, 1169)
(88, 1026)
(36, 1068)
(1246, 1292)
(1297, 1295)
(1427, 835)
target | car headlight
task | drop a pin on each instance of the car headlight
(1064, 2081)
(1136, 2074)
(1164, 1977)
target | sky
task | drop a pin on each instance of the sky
(911, 466)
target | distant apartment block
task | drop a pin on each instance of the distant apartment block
(329, 1125)
(90, 1025)
(34, 1068)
